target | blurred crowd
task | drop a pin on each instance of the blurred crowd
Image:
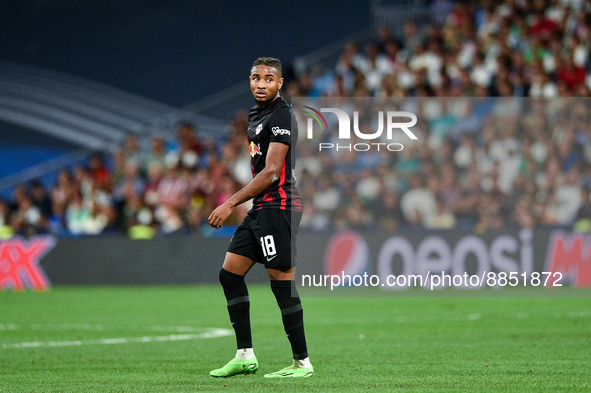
(525, 48)
(167, 188)
(521, 159)
(482, 164)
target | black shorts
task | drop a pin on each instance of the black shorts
(268, 236)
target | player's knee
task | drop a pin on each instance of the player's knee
(228, 279)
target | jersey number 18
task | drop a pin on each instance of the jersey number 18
(268, 245)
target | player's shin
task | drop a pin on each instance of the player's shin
(238, 307)
(292, 315)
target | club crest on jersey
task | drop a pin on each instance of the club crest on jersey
(255, 149)
(259, 129)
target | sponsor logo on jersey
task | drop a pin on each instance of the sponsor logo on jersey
(280, 131)
(259, 129)
(255, 149)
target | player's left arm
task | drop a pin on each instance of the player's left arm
(269, 175)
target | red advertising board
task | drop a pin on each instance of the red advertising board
(19, 263)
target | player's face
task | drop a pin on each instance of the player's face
(265, 82)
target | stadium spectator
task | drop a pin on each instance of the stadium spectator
(354, 216)
(26, 219)
(58, 220)
(132, 150)
(374, 66)
(443, 219)
(6, 230)
(570, 74)
(189, 146)
(418, 204)
(385, 38)
(157, 155)
(132, 179)
(583, 218)
(40, 198)
(173, 190)
(131, 209)
(386, 211)
(99, 172)
(151, 196)
(568, 198)
(169, 219)
(118, 166)
(327, 197)
(411, 39)
(77, 215)
(142, 225)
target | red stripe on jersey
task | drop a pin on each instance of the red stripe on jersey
(268, 197)
(281, 190)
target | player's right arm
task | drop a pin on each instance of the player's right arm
(269, 175)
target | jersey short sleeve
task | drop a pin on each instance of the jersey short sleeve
(280, 126)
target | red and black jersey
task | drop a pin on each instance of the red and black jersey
(274, 123)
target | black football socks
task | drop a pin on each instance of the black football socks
(238, 306)
(292, 315)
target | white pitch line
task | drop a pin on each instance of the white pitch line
(67, 326)
(210, 333)
(9, 326)
(176, 329)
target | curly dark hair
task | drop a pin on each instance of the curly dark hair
(268, 61)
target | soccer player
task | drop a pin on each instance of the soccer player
(267, 234)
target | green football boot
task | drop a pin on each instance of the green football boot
(236, 366)
(293, 371)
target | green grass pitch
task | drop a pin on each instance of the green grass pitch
(115, 339)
